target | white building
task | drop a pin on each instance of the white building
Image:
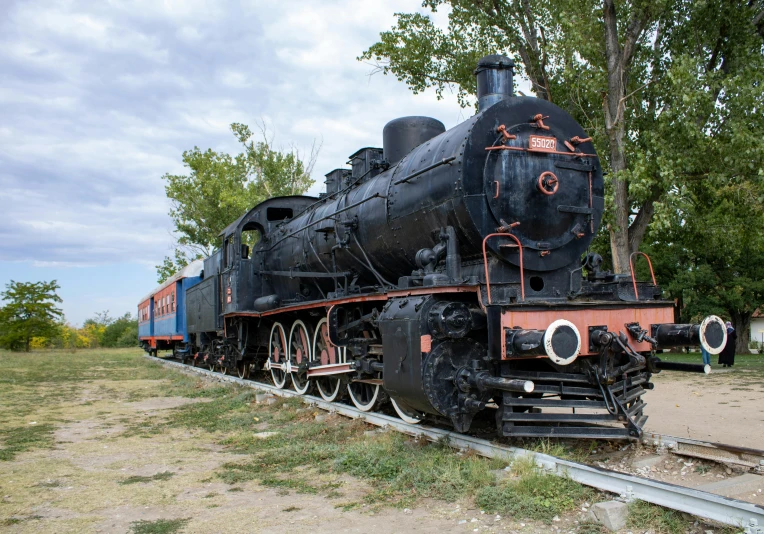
(757, 326)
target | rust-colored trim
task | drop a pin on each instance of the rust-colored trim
(503, 131)
(552, 180)
(432, 290)
(614, 318)
(485, 263)
(539, 120)
(331, 369)
(154, 339)
(426, 342)
(631, 266)
(521, 149)
(351, 300)
(577, 140)
(496, 182)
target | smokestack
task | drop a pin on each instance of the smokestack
(495, 82)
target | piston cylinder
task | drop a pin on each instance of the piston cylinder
(710, 333)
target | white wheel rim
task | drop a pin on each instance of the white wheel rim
(326, 396)
(278, 380)
(331, 395)
(243, 372)
(297, 325)
(406, 418)
(358, 404)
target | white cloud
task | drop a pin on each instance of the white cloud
(100, 99)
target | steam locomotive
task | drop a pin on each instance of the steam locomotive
(446, 273)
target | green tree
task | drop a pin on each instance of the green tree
(119, 332)
(29, 312)
(220, 187)
(712, 257)
(646, 78)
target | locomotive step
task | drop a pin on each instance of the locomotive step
(572, 432)
(561, 417)
(555, 403)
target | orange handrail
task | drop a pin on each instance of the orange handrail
(485, 263)
(633, 278)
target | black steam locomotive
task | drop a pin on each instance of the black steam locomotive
(444, 272)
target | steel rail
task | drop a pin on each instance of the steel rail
(708, 450)
(728, 511)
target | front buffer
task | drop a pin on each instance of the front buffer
(546, 371)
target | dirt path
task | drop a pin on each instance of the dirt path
(722, 407)
(100, 450)
(103, 475)
(129, 447)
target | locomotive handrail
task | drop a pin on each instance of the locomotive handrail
(424, 170)
(521, 149)
(322, 219)
(633, 277)
(485, 263)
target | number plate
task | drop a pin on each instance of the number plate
(538, 143)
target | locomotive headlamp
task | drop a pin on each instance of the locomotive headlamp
(562, 342)
(713, 334)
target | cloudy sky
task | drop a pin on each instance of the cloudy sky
(99, 99)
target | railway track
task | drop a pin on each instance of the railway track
(747, 516)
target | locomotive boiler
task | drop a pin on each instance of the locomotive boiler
(447, 273)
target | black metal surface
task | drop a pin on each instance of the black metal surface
(401, 329)
(675, 335)
(401, 136)
(678, 366)
(203, 306)
(447, 319)
(494, 80)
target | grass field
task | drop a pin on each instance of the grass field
(747, 371)
(107, 440)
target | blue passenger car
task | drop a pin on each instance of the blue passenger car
(162, 313)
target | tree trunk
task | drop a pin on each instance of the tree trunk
(619, 61)
(613, 103)
(741, 322)
(27, 344)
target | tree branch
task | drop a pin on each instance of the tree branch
(639, 226)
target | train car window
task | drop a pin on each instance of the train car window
(278, 214)
(172, 301)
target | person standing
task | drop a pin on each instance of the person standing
(727, 355)
(706, 355)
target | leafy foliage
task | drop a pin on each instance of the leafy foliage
(713, 257)
(220, 187)
(30, 312)
(101, 330)
(668, 89)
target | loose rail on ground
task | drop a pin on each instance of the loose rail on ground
(709, 506)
